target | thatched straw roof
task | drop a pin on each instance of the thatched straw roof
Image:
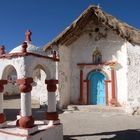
(94, 13)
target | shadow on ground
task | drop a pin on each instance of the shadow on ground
(130, 134)
(38, 113)
(11, 97)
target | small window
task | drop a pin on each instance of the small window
(97, 57)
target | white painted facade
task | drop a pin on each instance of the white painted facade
(113, 48)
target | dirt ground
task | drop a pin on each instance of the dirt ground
(79, 125)
(100, 126)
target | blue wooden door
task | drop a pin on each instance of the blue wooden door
(97, 88)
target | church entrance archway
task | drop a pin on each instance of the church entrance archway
(97, 88)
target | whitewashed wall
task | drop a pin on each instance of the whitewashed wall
(133, 75)
(64, 75)
(17, 63)
(113, 48)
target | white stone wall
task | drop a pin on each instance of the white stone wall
(33, 62)
(133, 75)
(113, 48)
(64, 75)
(17, 63)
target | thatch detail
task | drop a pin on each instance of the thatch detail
(94, 13)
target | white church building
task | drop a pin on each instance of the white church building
(96, 61)
(99, 61)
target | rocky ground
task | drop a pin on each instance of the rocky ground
(87, 125)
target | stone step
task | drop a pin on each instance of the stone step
(95, 108)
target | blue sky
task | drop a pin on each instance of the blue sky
(47, 18)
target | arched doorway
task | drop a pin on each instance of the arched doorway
(97, 88)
